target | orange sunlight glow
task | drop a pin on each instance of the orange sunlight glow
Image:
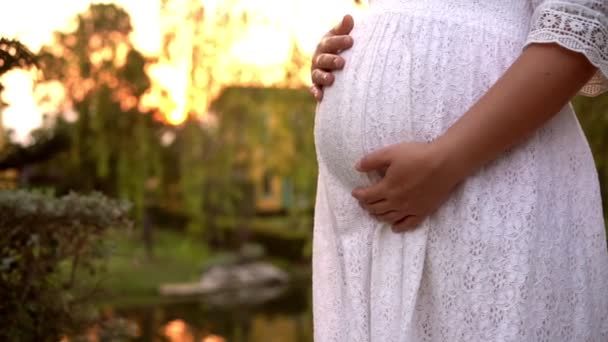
(213, 338)
(178, 331)
(264, 43)
(201, 46)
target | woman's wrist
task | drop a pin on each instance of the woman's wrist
(538, 84)
(452, 158)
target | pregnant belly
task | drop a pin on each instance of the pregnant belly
(399, 85)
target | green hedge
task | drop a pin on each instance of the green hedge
(50, 250)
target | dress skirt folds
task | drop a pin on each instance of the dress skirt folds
(518, 251)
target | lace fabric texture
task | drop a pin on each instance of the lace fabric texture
(518, 252)
(579, 25)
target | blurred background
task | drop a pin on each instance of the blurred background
(161, 155)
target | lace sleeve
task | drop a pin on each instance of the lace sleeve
(578, 25)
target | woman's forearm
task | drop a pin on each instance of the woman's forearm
(538, 84)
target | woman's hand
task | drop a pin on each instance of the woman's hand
(420, 176)
(417, 180)
(325, 59)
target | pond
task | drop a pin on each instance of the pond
(286, 318)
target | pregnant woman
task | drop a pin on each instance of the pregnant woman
(457, 197)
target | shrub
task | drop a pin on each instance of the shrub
(51, 248)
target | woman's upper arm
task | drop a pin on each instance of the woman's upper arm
(578, 25)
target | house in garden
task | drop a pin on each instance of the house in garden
(269, 133)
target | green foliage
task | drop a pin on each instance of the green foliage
(131, 277)
(592, 113)
(192, 168)
(115, 148)
(218, 160)
(209, 170)
(50, 251)
(270, 129)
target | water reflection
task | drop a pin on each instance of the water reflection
(285, 319)
(178, 331)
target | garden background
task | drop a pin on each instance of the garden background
(149, 147)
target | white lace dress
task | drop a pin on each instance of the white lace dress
(518, 252)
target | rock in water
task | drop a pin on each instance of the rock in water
(230, 278)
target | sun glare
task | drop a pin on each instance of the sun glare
(207, 52)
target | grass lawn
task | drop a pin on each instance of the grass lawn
(132, 277)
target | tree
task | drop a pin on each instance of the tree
(40, 298)
(115, 146)
(198, 38)
(14, 55)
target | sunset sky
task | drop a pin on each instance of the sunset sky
(262, 46)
